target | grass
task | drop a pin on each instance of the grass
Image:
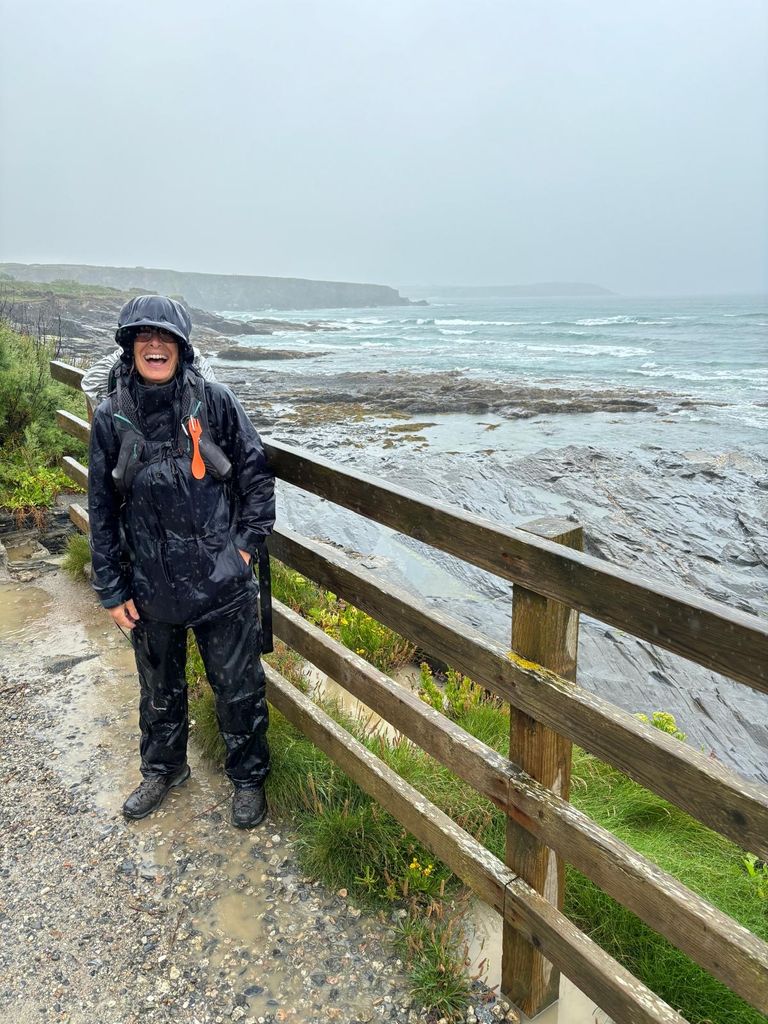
(433, 945)
(703, 860)
(31, 291)
(77, 556)
(356, 630)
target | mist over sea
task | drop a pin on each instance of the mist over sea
(713, 350)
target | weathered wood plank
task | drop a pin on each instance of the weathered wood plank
(67, 374)
(722, 638)
(79, 517)
(73, 425)
(547, 632)
(580, 959)
(75, 470)
(718, 943)
(597, 974)
(475, 865)
(702, 787)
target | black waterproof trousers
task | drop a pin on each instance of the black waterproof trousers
(230, 647)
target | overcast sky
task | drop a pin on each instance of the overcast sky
(392, 141)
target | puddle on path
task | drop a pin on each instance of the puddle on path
(26, 549)
(21, 610)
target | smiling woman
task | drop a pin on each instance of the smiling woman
(155, 354)
(172, 538)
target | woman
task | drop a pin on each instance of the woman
(180, 501)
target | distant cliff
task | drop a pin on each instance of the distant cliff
(217, 291)
(543, 289)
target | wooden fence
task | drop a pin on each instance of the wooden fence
(553, 581)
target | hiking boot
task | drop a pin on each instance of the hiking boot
(249, 807)
(150, 793)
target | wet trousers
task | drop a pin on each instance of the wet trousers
(230, 647)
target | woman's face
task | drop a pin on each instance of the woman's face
(155, 354)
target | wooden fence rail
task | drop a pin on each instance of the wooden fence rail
(598, 974)
(721, 638)
(559, 579)
(694, 782)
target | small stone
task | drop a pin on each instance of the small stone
(174, 974)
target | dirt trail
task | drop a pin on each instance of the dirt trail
(180, 917)
(177, 918)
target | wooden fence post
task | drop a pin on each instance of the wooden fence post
(544, 631)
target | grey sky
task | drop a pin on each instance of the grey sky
(411, 141)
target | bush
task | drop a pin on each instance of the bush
(31, 444)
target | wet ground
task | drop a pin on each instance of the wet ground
(177, 917)
(182, 916)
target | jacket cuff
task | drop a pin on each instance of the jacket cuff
(248, 540)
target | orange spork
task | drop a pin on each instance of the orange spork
(195, 432)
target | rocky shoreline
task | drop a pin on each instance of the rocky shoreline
(425, 394)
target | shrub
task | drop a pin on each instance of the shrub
(31, 444)
(664, 721)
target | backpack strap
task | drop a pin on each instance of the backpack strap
(125, 415)
(193, 404)
(265, 598)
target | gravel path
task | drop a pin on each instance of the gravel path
(178, 918)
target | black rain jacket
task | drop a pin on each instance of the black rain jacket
(172, 543)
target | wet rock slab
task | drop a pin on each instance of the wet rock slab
(448, 392)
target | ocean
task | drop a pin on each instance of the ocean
(713, 350)
(676, 492)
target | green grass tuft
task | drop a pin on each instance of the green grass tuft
(435, 952)
(77, 556)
